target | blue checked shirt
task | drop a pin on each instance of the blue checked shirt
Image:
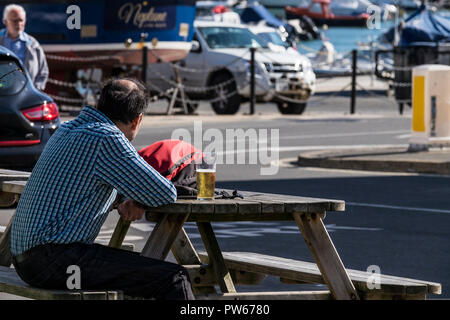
(75, 181)
(16, 45)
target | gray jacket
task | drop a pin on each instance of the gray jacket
(35, 62)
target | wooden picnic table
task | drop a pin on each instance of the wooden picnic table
(226, 269)
(308, 213)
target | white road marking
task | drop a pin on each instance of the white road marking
(2, 228)
(333, 135)
(313, 148)
(105, 239)
(106, 231)
(383, 206)
(144, 227)
(334, 227)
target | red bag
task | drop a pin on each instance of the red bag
(174, 159)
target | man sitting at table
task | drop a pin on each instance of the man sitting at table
(71, 191)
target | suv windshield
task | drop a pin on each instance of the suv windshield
(229, 37)
(12, 79)
(274, 38)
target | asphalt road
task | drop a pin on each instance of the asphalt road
(399, 222)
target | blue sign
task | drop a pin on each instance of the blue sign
(139, 15)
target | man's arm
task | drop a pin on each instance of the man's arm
(119, 165)
(42, 76)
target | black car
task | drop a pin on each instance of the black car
(28, 117)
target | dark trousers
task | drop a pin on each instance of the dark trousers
(101, 267)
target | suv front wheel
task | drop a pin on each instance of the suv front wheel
(227, 100)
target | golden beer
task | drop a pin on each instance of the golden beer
(206, 182)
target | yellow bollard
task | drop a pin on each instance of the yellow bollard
(430, 107)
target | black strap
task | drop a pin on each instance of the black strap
(177, 164)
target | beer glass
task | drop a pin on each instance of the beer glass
(206, 176)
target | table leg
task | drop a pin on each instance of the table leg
(7, 199)
(5, 254)
(185, 254)
(326, 256)
(215, 257)
(163, 235)
(120, 231)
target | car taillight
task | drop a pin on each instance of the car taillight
(44, 112)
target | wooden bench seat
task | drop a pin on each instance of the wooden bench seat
(277, 295)
(11, 283)
(294, 271)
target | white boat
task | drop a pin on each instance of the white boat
(327, 62)
(349, 7)
(405, 4)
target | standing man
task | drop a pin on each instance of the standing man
(70, 192)
(23, 45)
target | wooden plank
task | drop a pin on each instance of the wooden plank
(386, 296)
(234, 217)
(6, 174)
(8, 199)
(241, 277)
(5, 254)
(101, 295)
(326, 256)
(254, 207)
(14, 177)
(208, 206)
(115, 295)
(128, 246)
(201, 275)
(215, 255)
(297, 203)
(270, 265)
(12, 186)
(163, 235)
(295, 271)
(11, 283)
(10, 190)
(395, 285)
(12, 172)
(225, 206)
(120, 231)
(183, 249)
(279, 295)
(180, 206)
(185, 254)
(225, 210)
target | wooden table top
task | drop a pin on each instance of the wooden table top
(255, 206)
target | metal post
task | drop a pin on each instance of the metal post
(252, 80)
(144, 63)
(353, 96)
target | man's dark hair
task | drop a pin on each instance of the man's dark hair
(122, 101)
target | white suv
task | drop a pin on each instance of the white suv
(221, 54)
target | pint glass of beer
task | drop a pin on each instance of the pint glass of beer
(206, 176)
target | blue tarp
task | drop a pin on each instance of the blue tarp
(422, 26)
(256, 13)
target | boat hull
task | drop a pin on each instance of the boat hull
(97, 56)
(320, 19)
(110, 32)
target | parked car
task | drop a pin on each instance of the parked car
(28, 117)
(220, 54)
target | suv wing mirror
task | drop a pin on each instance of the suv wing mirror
(195, 46)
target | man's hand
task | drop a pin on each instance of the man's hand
(130, 210)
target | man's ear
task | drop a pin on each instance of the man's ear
(137, 121)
